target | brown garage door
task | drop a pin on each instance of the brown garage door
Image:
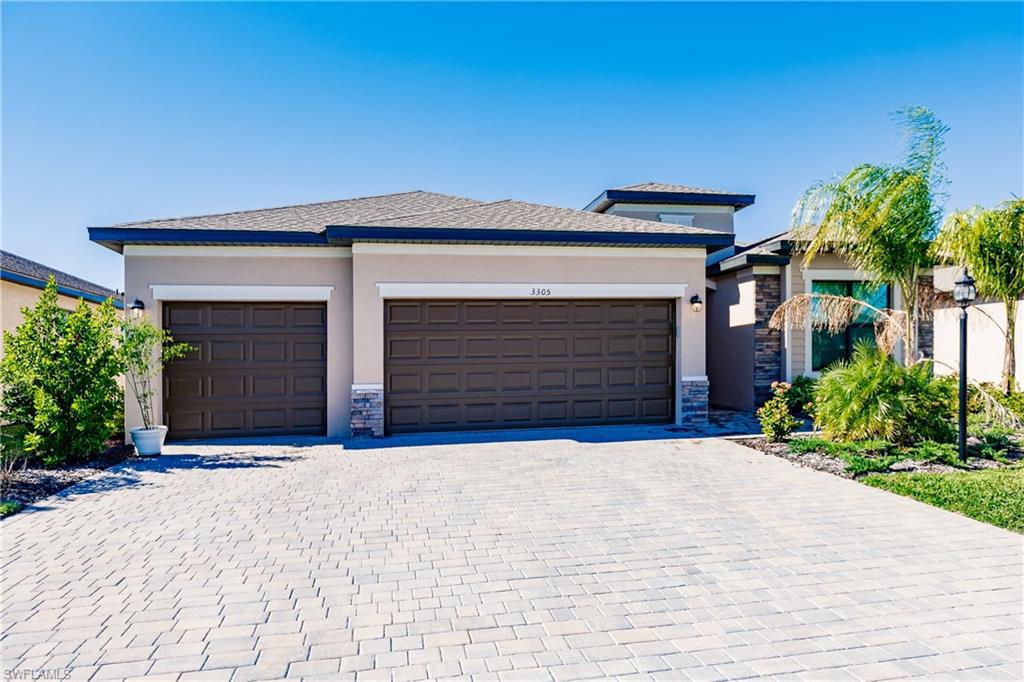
(500, 364)
(257, 369)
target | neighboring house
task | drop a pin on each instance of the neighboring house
(986, 340)
(747, 283)
(21, 281)
(421, 312)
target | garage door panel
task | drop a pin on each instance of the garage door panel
(258, 369)
(496, 364)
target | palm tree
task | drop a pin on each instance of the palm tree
(882, 218)
(990, 243)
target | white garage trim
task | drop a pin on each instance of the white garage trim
(236, 251)
(533, 251)
(232, 292)
(531, 290)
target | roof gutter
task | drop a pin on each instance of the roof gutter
(115, 238)
(624, 196)
(73, 292)
(743, 260)
(342, 235)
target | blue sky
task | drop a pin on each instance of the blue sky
(115, 112)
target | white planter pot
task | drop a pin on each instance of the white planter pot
(148, 442)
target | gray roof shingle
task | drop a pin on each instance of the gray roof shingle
(520, 215)
(667, 187)
(312, 217)
(13, 263)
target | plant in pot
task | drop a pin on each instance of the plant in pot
(145, 349)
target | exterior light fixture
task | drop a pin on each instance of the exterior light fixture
(696, 305)
(135, 309)
(964, 292)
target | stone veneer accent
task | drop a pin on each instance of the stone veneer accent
(693, 402)
(367, 411)
(926, 319)
(767, 341)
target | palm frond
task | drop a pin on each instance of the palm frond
(834, 314)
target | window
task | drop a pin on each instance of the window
(676, 218)
(828, 348)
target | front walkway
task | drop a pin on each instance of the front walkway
(542, 560)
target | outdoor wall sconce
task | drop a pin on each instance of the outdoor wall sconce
(696, 305)
(135, 309)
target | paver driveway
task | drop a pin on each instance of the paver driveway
(679, 559)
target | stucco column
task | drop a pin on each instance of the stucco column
(367, 390)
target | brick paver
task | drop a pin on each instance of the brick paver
(543, 560)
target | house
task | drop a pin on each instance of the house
(21, 281)
(421, 311)
(986, 334)
(748, 282)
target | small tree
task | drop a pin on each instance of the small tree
(882, 218)
(59, 377)
(145, 349)
(990, 242)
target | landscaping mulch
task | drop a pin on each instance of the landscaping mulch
(833, 465)
(811, 460)
(34, 482)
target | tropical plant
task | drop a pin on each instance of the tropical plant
(776, 421)
(874, 397)
(882, 219)
(990, 243)
(59, 377)
(145, 349)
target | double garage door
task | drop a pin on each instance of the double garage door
(260, 369)
(479, 364)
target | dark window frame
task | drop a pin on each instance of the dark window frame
(848, 332)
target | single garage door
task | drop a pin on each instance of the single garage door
(481, 364)
(256, 369)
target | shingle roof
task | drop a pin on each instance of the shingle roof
(13, 263)
(406, 216)
(667, 193)
(667, 187)
(313, 217)
(520, 215)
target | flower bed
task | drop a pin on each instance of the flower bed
(34, 482)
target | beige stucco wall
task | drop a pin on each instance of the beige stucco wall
(394, 263)
(14, 297)
(986, 341)
(730, 340)
(179, 266)
(720, 220)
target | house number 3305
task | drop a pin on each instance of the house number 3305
(536, 291)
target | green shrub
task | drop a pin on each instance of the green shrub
(8, 507)
(800, 395)
(874, 397)
(776, 421)
(929, 451)
(59, 377)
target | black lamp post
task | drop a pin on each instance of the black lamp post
(964, 292)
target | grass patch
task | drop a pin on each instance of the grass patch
(994, 496)
(860, 457)
(7, 508)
